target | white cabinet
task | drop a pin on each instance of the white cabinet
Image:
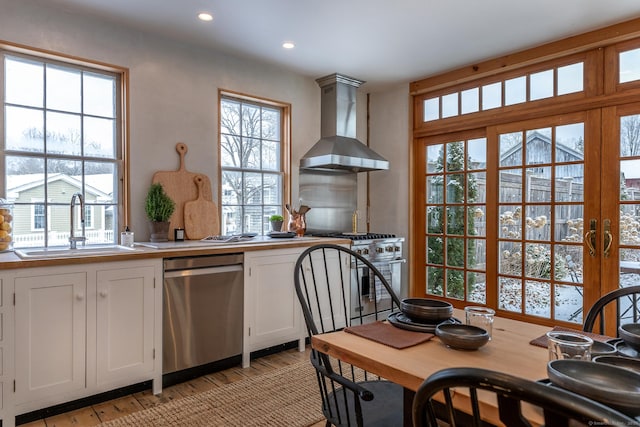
(50, 331)
(125, 325)
(82, 330)
(272, 313)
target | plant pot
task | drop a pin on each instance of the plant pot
(159, 231)
(276, 225)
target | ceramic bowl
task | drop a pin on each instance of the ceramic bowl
(620, 361)
(462, 337)
(600, 348)
(608, 384)
(630, 333)
(426, 310)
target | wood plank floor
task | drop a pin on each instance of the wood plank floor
(112, 409)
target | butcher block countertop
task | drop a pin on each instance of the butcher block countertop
(144, 250)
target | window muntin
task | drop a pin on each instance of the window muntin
(251, 148)
(61, 137)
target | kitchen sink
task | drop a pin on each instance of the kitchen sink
(61, 252)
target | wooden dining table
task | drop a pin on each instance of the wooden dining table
(508, 351)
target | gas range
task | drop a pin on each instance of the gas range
(375, 247)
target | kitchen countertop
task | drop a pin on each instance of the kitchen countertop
(145, 250)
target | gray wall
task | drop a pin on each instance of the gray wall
(174, 94)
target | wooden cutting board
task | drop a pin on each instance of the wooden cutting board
(181, 187)
(200, 215)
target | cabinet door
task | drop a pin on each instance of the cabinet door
(50, 337)
(124, 325)
(271, 297)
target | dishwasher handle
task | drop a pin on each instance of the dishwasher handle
(203, 271)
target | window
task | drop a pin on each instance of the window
(539, 85)
(38, 217)
(551, 221)
(252, 147)
(61, 133)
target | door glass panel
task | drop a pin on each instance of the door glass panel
(510, 294)
(538, 184)
(538, 146)
(470, 100)
(629, 65)
(515, 90)
(537, 299)
(510, 222)
(477, 216)
(456, 227)
(491, 96)
(511, 185)
(570, 78)
(450, 105)
(629, 199)
(434, 158)
(476, 286)
(552, 206)
(568, 303)
(431, 109)
(537, 225)
(511, 149)
(541, 85)
(569, 263)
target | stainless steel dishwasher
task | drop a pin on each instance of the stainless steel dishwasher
(203, 297)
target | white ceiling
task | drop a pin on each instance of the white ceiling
(380, 41)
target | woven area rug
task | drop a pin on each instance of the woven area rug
(285, 397)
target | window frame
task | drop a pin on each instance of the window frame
(285, 150)
(121, 174)
(600, 90)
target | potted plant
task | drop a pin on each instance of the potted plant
(276, 222)
(159, 207)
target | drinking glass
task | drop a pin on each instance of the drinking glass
(568, 345)
(481, 317)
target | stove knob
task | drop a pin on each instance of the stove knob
(359, 251)
(380, 250)
(396, 248)
(365, 251)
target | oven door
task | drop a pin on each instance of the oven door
(364, 298)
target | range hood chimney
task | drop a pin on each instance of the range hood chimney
(338, 148)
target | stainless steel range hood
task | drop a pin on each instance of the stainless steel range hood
(338, 148)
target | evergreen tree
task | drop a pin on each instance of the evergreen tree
(453, 160)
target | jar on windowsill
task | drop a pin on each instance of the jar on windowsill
(6, 226)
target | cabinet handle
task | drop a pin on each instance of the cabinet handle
(103, 294)
(79, 296)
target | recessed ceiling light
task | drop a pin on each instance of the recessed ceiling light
(288, 45)
(204, 16)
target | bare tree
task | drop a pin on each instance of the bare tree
(630, 135)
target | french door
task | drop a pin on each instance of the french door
(535, 218)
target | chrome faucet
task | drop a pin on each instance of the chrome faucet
(72, 238)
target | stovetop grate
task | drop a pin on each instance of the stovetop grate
(358, 236)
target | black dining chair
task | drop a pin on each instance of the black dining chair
(557, 406)
(329, 286)
(625, 301)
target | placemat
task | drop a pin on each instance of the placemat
(387, 334)
(542, 341)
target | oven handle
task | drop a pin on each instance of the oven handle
(393, 261)
(203, 271)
